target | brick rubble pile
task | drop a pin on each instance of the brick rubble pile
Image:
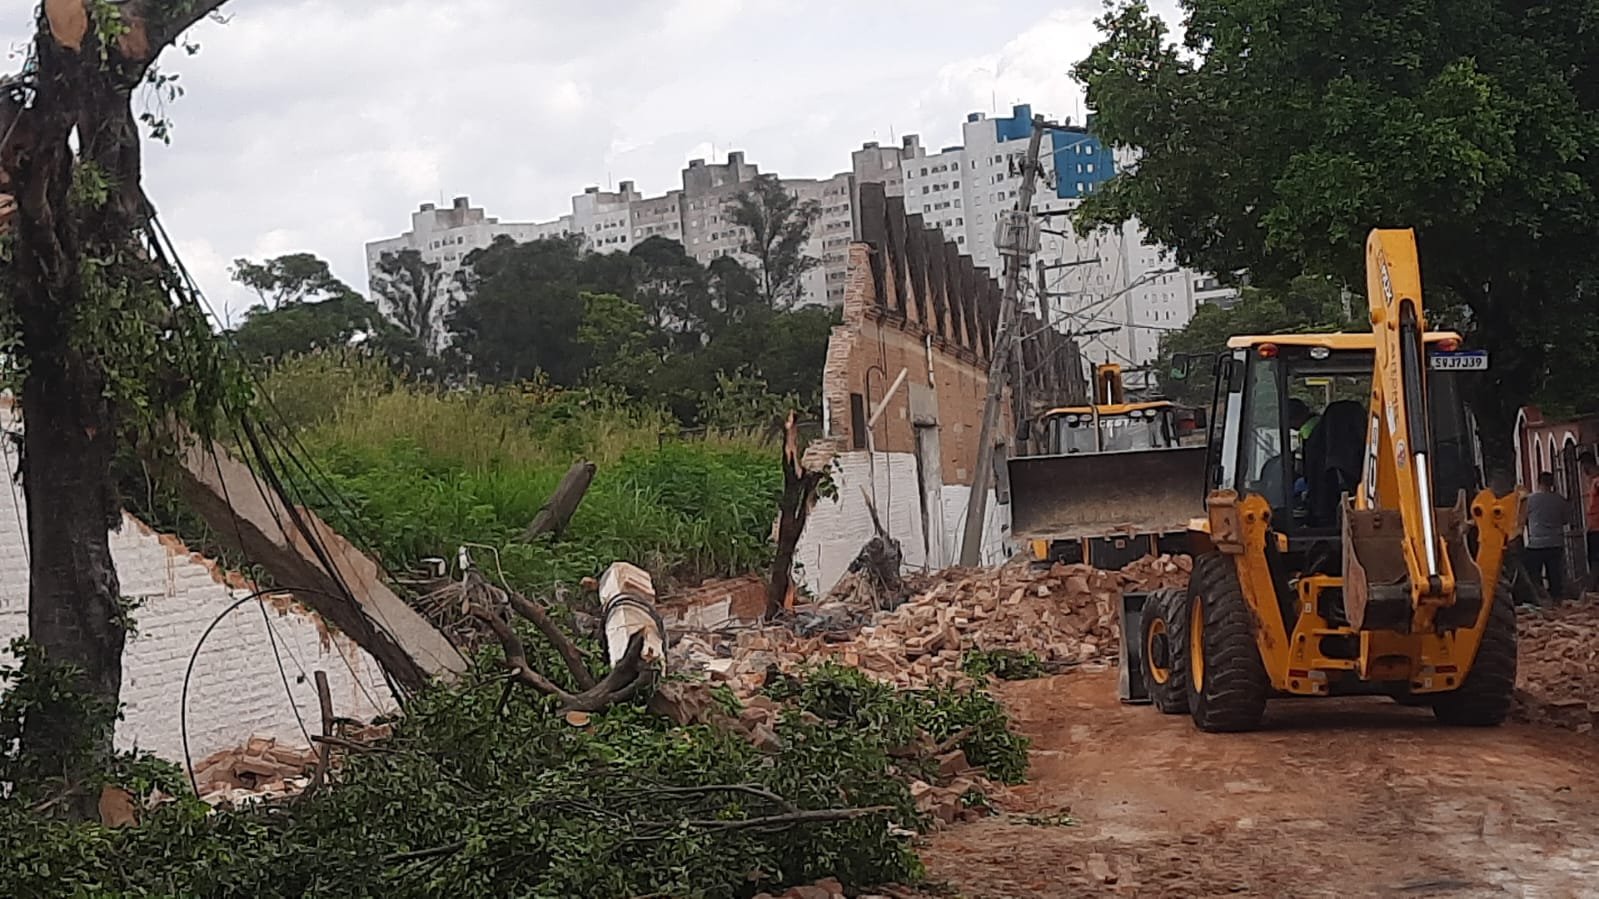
(263, 770)
(1558, 670)
(1068, 614)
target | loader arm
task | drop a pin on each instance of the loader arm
(1398, 470)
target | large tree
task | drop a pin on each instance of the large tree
(304, 307)
(673, 290)
(777, 226)
(523, 305)
(288, 279)
(414, 293)
(104, 354)
(1277, 133)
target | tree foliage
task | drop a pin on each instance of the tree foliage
(289, 279)
(1276, 134)
(480, 792)
(654, 324)
(777, 226)
(305, 308)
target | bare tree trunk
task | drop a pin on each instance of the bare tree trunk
(799, 495)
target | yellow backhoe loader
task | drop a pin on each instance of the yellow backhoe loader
(1363, 558)
(1115, 481)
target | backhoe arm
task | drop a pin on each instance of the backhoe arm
(1398, 472)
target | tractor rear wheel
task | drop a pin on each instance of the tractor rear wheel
(1484, 698)
(1163, 652)
(1227, 683)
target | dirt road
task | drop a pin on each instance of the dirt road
(1335, 798)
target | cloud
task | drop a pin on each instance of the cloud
(319, 126)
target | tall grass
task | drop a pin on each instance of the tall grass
(427, 469)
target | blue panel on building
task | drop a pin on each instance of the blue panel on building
(1082, 163)
(1018, 127)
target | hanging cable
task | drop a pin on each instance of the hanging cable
(194, 656)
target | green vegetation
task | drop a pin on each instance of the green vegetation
(423, 469)
(847, 695)
(1005, 664)
(654, 325)
(478, 796)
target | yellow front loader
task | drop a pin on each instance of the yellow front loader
(1346, 549)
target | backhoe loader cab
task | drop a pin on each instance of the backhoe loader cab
(1347, 546)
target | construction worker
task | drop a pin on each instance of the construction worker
(1545, 553)
(1301, 421)
(1590, 505)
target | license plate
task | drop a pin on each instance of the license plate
(1467, 360)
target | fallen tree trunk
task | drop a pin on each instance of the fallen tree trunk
(557, 512)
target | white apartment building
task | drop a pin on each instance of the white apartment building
(694, 215)
(1112, 287)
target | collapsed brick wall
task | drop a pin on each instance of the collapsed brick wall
(236, 691)
(915, 305)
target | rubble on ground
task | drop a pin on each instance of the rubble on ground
(1558, 670)
(1065, 615)
(264, 770)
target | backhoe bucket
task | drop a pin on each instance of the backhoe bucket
(1113, 496)
(1377, 581)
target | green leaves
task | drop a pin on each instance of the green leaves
(465, 800)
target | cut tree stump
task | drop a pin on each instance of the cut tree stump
(557, 512)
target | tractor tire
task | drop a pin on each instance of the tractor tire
(1484, 698)
(1163, 652)
(1227, 683)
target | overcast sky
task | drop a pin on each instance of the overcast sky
(318, 126)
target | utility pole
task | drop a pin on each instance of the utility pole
(1018, 236)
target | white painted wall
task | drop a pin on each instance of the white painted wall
(236, 691)
(996, 526)
(837, 529)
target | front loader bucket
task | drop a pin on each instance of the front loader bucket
(1089, 494)
(1130, 678)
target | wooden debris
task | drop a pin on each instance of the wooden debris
(800, 483)
(556, 513)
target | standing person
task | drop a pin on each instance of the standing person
(1545, 554)
(1590, 506)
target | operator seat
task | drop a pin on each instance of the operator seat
(1335, 456)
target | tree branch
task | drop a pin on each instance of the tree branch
(570, 654)
(516, 654)
(153, 24)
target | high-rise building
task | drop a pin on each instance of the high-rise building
(1112, 286)
(695, 215)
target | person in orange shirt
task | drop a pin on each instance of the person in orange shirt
(1590, 507)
